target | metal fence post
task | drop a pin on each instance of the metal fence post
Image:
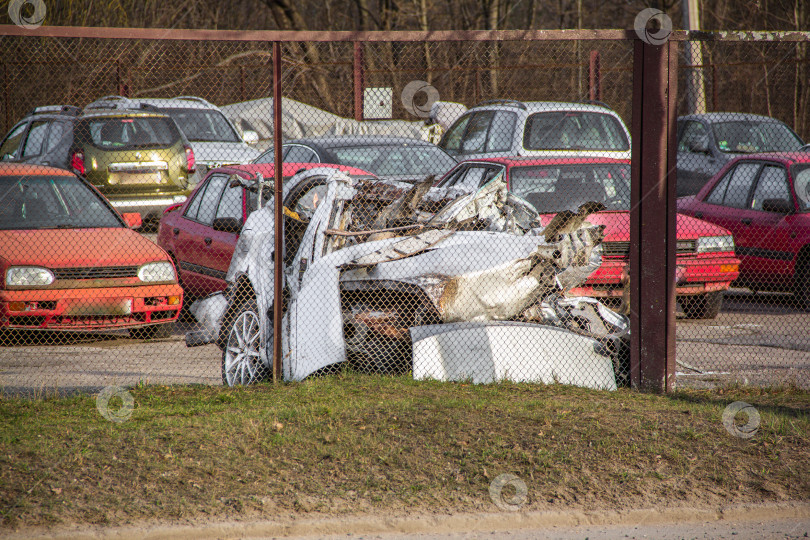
(652, 217)
(359, 80)
(278, 265)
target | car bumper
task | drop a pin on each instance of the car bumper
(694, 275)
(148, 208)
(90, 309)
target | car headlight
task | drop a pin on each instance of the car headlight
(707, 244)
(156, 271)
(28, 276)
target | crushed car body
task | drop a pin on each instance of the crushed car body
(368, 284)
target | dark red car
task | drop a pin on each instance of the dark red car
(706, 264)
(201, 233)
(764, 200)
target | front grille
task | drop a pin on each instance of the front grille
(622, 249)
(96, 272)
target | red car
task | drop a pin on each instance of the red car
(706, 264)
(70, 262)
(201, 233)
(764, 200)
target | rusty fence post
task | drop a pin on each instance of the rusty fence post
(652, 217)
(278, 264)
(595, 77)
(359, 80)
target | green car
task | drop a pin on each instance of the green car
(139, 160)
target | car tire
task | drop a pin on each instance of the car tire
(155, 331)
(702, 306)
(241, 355)
(801, 285)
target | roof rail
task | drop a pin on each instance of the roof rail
(595, 102)
(69, 110)
(506, 102)
(195, 98)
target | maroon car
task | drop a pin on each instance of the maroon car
(200, 234)
(764, 200)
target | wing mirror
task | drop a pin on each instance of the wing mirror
(132, 219)
(250, 137)
(227, 224)
(699, 145)
(805, 148)
(777, 206)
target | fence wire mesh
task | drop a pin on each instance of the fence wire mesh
(454, 210)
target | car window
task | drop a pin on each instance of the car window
(452, 139)
(475, 138)
(194, 207)
(755, 136)
(8, 150)
(121, 133)
(476, 176)
(574, 130)
(210, 199)
(693, 134)
(740, 185)
(35, 138)
(719, 192)
(207, 125)
(59, 130)
(307, 203)
(801, 184)
(267, 157)
(552, 188)
(405, 159)
(49, 202)
(772, 184)
(502, 132)
(231, 204)
(300, 154)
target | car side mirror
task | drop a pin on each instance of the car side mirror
(227, 224)
(699, 145)
(777, 206)
(805, 148)
(132, 219)
(250, 137)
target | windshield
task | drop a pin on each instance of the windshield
(52, 202)
(801, 183)
(121, 133)
(396, 160)
(746, 137)
(574, 130)
(552, 188)
(205, 125)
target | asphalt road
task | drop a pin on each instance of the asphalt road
(758, 339)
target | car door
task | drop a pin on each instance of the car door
(770, 245)
(695, 164)
(727, 205)
(200, 251)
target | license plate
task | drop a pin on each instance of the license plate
(127, 178)
(115, 306)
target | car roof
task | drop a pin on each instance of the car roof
(104, 113)
(30, 169)
(552, 160)
(288, 169)
(718, 117)
(784, 157)
(174, 103)
(339, 141)
(546, 106)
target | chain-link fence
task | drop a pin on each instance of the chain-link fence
(458, 209)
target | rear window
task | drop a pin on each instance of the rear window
(552, 188)
(121, 133)
(574, 130)
(207, 125)
(396, 160)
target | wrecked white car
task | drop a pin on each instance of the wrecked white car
(474, 291)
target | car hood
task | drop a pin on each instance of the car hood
(68, 248)
(617, 226)
(217, 153)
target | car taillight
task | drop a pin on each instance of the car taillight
(77, 162)
(191, 162)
